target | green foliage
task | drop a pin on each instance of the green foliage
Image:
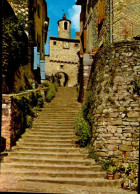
(56, 85)
(40, 101)
(51, 93)
(29, 121)
(83, 131)
(106, 164)
(24, 109)
(46, 84)
(136, 84)
(88, 107)
(92, 154)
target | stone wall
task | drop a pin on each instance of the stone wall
(115, 86)
(126, 19)
(8, 112)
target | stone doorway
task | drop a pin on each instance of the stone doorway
(63, 79)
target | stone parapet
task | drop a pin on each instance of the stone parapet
(7, 116)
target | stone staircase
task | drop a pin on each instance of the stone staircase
(47, 152)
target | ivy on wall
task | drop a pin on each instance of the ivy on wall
(15, 41)
(24, 109)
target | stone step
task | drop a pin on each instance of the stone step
(38, 141)
(62, 106)
(46, 150)
(59, 110)
(54, 119)
(54, 127)
(42, 130)
(54, 165)
(47, 155)
(45, 145)
(42, 174)
(58, 106)
(47, 137)
(39, 132)
(53, 124)
(64, 163)
(94, 182)
(58, 122)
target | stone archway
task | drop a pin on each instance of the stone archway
(63, 78)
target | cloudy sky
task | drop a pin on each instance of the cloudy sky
(55, 13)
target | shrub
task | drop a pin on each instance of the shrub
(89, 107)
(29, 121)
(40, 101)
(24, 109)
(51, 93)
(46, 84)
(83, 131)
(92, 154)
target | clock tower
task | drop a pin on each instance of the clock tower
(63, 59)
(64, 28)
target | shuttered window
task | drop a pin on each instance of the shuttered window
(42, 69)
(36, 59)
(101, 11)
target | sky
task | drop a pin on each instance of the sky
(56, 9)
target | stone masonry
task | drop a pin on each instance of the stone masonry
(115, 85)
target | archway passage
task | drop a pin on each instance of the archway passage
(63, 78)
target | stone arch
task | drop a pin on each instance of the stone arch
(64, 78)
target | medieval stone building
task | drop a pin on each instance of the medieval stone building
(104, 22)
(25, 28)
(110, 72)
(63, 60)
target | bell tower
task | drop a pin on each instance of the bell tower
(64, 28)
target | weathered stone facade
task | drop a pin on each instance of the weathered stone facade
(106, 22)
(126, 20)
(63, 55)
(115, 85)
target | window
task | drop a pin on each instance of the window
(76, 45)
(38, 10)
(54, 42)
(61, 66)
(65, 25)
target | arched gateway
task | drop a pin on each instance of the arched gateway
(63, 54)
(63, 77)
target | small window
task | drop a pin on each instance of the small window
(38, 10)
(65, 26)
(54, 42)
(61, 66)
(76, 45)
